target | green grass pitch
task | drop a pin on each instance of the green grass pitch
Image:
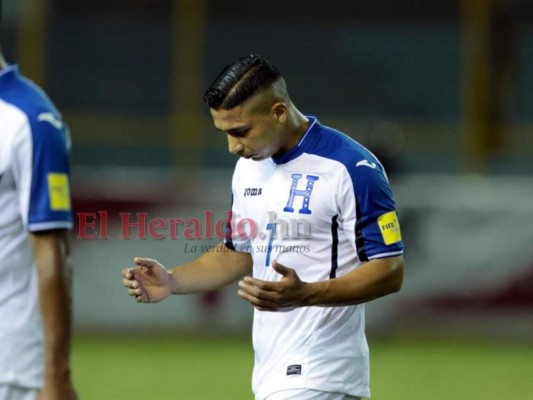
(185, 368)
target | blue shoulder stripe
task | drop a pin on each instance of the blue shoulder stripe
(371, 188)
(50, 158)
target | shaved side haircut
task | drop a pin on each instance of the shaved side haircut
(242, 79)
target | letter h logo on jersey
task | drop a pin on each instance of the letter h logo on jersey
(306, 193)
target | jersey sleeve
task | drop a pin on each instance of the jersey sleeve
(237, 237)
(368, 212)
(41, 171)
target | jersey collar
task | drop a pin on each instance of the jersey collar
(303, 144)
(9, 70)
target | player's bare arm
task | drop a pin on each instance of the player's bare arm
(371, 280)
(50, 252)
(150, 282)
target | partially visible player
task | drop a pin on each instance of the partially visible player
(35, 312)
(308, 286)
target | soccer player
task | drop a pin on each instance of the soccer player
(34, 216)
(314, 223)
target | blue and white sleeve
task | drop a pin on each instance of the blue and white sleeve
(368, 212)
(42, 175)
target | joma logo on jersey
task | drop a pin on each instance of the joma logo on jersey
(305, 193)
(253, 192)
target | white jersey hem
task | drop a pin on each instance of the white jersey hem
(385, 255)
(45, 226)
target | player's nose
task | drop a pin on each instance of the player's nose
(234, 146)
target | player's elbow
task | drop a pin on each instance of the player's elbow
(395, 274)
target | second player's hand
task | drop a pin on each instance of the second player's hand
(148, 282)
(288, 292)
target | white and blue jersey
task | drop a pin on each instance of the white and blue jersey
(323, 208)
(34, 196)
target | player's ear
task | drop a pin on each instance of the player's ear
(279, 111)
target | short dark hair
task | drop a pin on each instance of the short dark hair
(239, 81)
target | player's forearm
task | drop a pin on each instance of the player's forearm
(55, 308)
(374, 279)
(212, 270)
(54, 299)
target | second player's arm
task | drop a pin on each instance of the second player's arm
(50, 254)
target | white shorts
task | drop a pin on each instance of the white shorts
(308, 394)
(9, 392)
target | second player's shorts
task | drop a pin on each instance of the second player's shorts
(308, 394)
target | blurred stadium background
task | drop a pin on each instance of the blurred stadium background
(442, 91)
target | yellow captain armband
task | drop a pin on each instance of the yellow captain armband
(390, 227)
(59, 192)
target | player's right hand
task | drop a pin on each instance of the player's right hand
(148, 282)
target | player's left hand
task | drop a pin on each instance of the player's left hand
(289, 292)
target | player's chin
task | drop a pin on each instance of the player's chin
(256, 157)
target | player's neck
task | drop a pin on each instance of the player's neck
(297, 127)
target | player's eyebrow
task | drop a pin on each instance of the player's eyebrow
(235, 131)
